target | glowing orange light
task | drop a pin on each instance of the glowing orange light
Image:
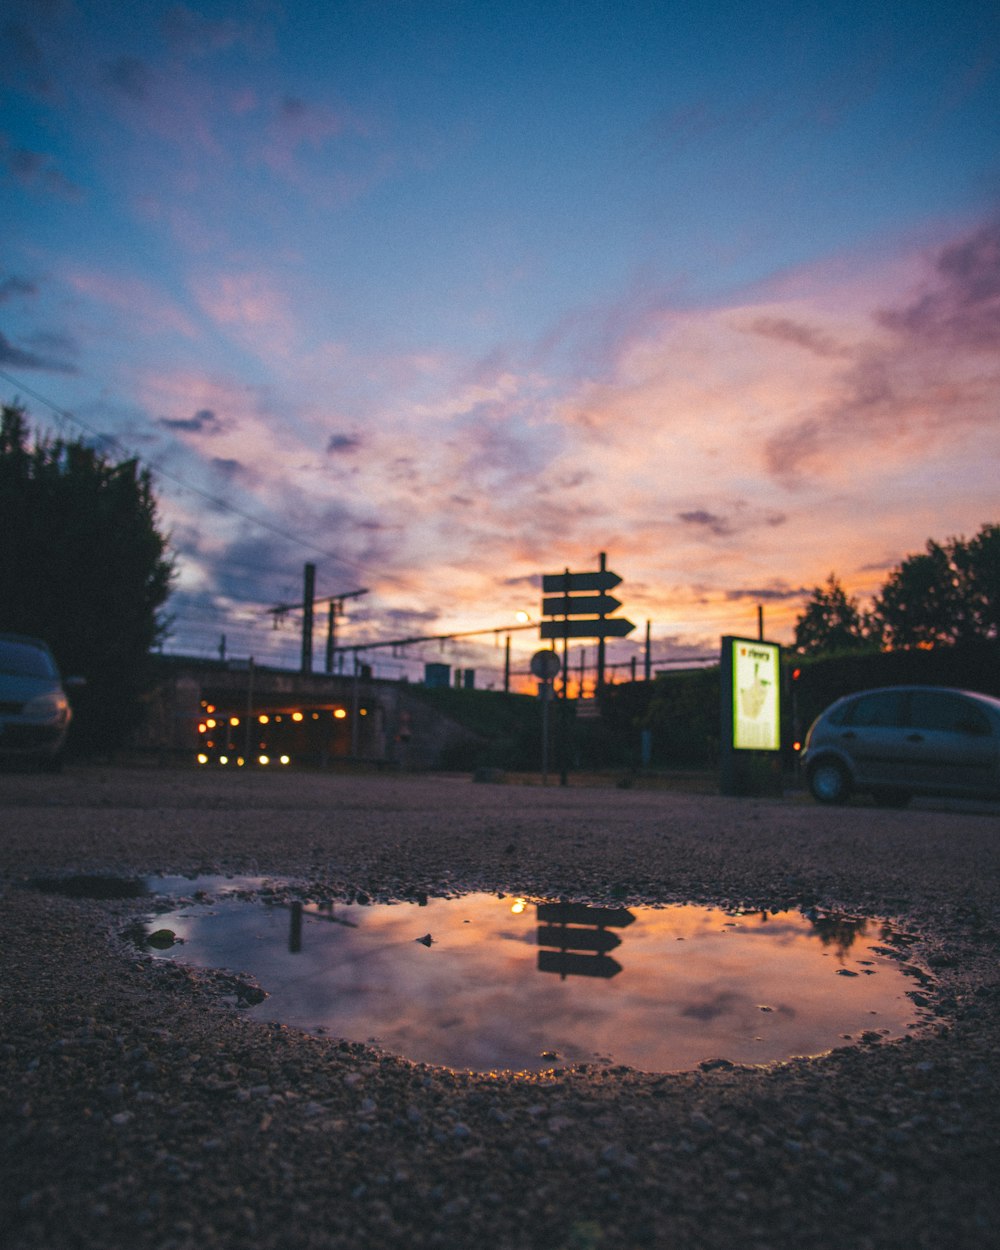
(263, 720)
(210, 723)
(339, 713)
(234, 720)
(518, 906)
(285, 760)
(202, 759)
(202, 728)
(296, 716)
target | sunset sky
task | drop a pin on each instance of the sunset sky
(444, 296)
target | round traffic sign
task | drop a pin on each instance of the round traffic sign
(546, 665)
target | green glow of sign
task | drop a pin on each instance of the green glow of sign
(756, 695)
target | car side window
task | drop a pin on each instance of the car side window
(947, 713)
(884, 709)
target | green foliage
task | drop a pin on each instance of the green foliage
(683, 714)
(950, 593)
(84, 566)
(832, 621)
(509, 726)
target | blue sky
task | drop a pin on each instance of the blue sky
(445, 296)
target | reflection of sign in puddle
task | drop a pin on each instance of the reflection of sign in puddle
(487, 983)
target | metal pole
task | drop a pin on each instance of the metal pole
(355, 711)
(649, 653)
(308, 595)
(563, 706)
(600, 642)
(506, 666)
(546, 695)
(249, 717)
(331, 632)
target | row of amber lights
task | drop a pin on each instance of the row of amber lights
(210, 723)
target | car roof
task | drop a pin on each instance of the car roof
(990, 700)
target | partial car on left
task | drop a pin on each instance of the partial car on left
(34, 711)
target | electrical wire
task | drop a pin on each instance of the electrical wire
(154, 466)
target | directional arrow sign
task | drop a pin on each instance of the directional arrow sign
(583, 913)
(578, 939)
(587, 627)
(565, 583)
(568, 964)
(580, 605)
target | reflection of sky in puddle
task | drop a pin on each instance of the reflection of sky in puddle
(673, 986)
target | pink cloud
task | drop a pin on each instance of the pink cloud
(139, 301)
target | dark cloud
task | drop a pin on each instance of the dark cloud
(776, 593)
(871, 399)
(204, 421)
(20, 359)
(35, 171)
(130, 77)
(21, 61)
(708, 521)
(194, 35)
(964, 308)
(785, 330)
(14, 286)
(342, 444)
(927, 379)
(228, 468)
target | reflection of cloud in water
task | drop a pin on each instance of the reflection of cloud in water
(722, 1004)
(475, 998)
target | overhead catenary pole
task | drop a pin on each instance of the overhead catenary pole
(335, 608)
(308, 595)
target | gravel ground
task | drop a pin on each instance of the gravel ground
(141, 1109)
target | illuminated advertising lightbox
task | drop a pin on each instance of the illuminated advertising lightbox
(756, 668)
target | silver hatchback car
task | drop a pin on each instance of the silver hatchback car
(900, 741)
(34, 711)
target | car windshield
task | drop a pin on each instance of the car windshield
(20, 659)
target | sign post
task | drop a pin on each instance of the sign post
(545, 666)
(750, 716)
(581, 605)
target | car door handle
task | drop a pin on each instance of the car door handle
(915, 738)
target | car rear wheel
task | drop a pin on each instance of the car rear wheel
(829, 782)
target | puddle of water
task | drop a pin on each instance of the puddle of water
(487, 983)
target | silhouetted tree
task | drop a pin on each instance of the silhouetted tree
(832, 622)
(950, 593)
(84, 566)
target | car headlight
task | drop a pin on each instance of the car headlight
(51, 706)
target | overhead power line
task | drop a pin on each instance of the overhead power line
(215, 500)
